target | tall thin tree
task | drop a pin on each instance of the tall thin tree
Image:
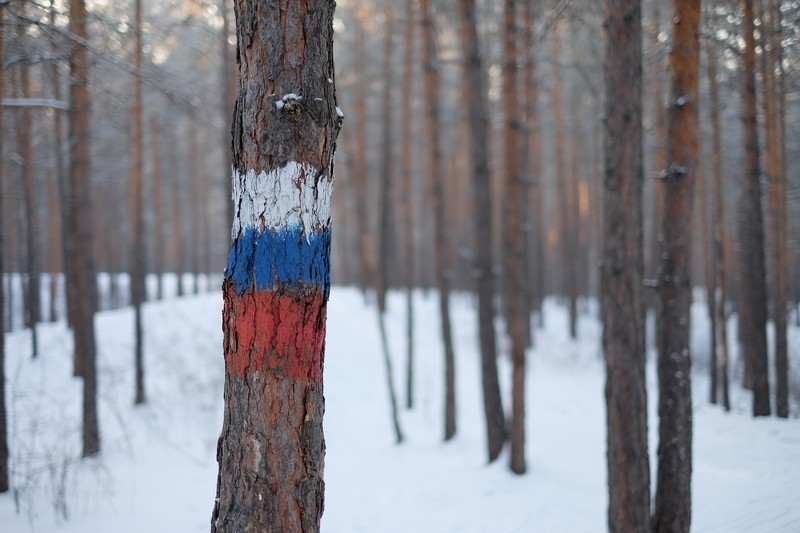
(622, 270)
(407, 195)
(673, 485)
(752, 278)
(4, 479)
(277, 280)
(719, 374)
(138, 251)
(476, 100)
(514, 235)
(79, 242)
(432, 88)
(776, 176)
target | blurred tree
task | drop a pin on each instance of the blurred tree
(138, 257)
(440, 206)
(673, 485)
(516, 290)
(277, 281)
(4, 481)
(477, 103)
(622, 270)
(79, 245)
(719, 359)
(752, 278)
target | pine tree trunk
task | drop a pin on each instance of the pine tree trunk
(178, 237)
(381, 276)
(277, 281)
(29, 189)
(775, 147)
(408, 203)
(720, 255)
(158, 203)
(440, 207)
(536, 254)
(621, 275)
(673, 485)
(753, 283)
(516, 290)
(138, 250)
(476, 99)
(4, 480)
(79, 244)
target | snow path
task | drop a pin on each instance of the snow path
(157, 471)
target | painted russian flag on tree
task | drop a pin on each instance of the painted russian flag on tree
(279, 263)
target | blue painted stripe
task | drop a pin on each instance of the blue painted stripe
(278, 258)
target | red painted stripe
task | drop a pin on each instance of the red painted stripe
(284, 333)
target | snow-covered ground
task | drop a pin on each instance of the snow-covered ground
(157, 470)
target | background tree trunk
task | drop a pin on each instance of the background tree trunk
(752, 280)
(138, 251)
(776, 175)
(80, 242)
(271, 450)
(407, 197)
(4, 480)
(29, 188)
(720, 255)
(440, 207)
(621, 276)
(673, 502)
(515, 237)
(476, 100)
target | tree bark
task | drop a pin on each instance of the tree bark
(673, 485)
(622, 269)
(478, 111)
(4, 480)
(720, 371)
(138, 254)
(158, 204)
(277, 281)
(383, 248)
(536, 256)
(776, 176)
(29, 188)
(80, 242)
(752, 279)
(440, 206)
(408, 203)
(515, 237)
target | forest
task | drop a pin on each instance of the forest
(544, 255)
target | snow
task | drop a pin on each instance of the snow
(157, 470)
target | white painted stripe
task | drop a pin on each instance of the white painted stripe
(282, 198)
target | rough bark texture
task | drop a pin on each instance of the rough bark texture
(80, 239)
(476, 100)
(673, 487)
(720, 255)
(271, 451)
(621, 276)
(4, 481)
(431, 83)
(515, 239)
(138, 250)
(752, 276)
